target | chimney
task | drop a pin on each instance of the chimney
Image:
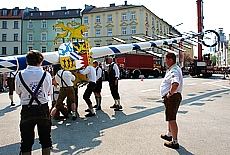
(125, 2)
(112, 4)
(63, 8)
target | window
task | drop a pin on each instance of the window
(4, 12)
(133, 30)
(30, 37)
(15, 37)
(124, 31)
(160, 26)
(40, 14)
(3, 50)
(31, 14)
(86, 20)
(30, 25)
(110, 32)
(98, 45)
(16, 24)
(52, 13)
(164, 29)
(152, 21)
(86, 34)
(15, 50)
(43, 49)
(43, 37)
(146, 33)
(97, 33)
(3, 37)
(133, 15)
(147, 17)
(43, 24)
(98, 19)
(110, 19)
(4, 24)
(67, 13)
(157, 25)
(123, 17)
(15, 12)
(30, 48)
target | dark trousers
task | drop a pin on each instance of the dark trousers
(114, 90)
(30, 117)
(90, 88)
(63, 93)
(10, 82)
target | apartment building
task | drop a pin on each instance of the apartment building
(40, 28)
(10, 33)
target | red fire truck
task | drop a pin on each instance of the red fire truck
(134, 65)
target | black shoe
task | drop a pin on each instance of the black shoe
(171, 145)
(90, 114)
(12, 103)
(74, 117)
(165, 137)
(114, 106)
(95, 106)
(98, 108)
(87, 110)
(118, 108)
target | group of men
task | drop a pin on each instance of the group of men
(34, 85)
(94, 75)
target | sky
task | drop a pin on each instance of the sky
(172, 11)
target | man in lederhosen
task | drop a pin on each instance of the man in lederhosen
(10, 79)
(113, 76)
(97, 90)
(33, 86)
(65, 80)
(90, 72)
(171, 88)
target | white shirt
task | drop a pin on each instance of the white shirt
(98, 72)
(32, 76)
(90, 72)
(11, 74)
(173, 75)
(67, 76)
(54, 96)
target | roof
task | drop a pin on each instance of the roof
(110, 8)
(55, 14)
(15, 13)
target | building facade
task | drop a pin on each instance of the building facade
(221, 51)
(40, 28)
(122, 21)
(10, 33)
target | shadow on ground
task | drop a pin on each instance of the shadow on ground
(83, 135)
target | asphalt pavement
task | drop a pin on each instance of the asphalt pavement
(203, 121)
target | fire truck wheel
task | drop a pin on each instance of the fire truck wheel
(146, 75)
(156, 74)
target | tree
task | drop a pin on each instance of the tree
(187, 59)
(213, 58)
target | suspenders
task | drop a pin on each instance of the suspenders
(62, 80)
(33, 94)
